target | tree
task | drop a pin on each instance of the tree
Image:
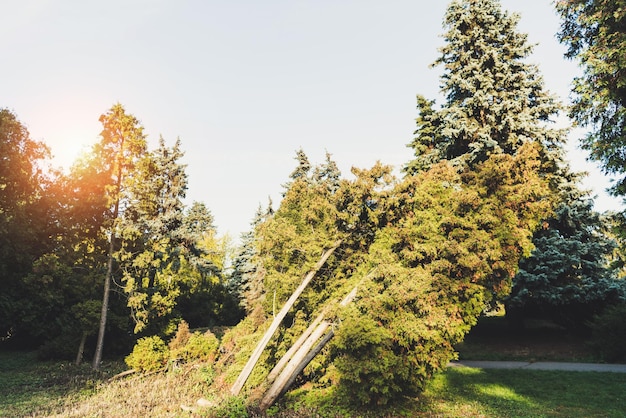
(494, 100)
(29, 210)
(595, 33)
(151, 242)
(122, 145)
(246, 279)
(451, 241)
(568, 276)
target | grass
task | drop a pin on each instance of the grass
(464, 392)
(33, 388)
(46, 389)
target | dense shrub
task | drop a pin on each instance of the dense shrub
(187, 346)
(149, 354)
(609, 334)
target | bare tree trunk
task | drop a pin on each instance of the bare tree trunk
(97, 357)
(81, 349)
(245, 373)
(301, 358)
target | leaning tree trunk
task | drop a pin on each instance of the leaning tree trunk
(303, 356)
(245, 373)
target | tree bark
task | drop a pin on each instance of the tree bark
(81, 349)
(97, 357)
(245, 373)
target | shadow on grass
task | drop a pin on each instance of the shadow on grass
(29, 386)
(525, 393)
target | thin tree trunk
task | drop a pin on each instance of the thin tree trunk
(81, 349)
(97, 357)
(301, 358)
(245, 373)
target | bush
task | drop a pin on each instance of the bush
(201, 347)
(149, 354)
(181, 338)
(187, 347)
(609, 334)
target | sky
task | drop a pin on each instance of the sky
(244, 84)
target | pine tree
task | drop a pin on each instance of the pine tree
(494, 100)
(246, 280)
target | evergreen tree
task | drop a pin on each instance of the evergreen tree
(150, 235)
(568, 276)
(246, 280)
(494, 100)
(122, 145)
(595, 32)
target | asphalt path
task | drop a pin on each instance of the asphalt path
(541, 365)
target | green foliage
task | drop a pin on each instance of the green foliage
(231, 407)
(609, 334)
(567, 277)
(30, 225)
(594, 32)
(189, 347)
(201, 346)
(149, 354)
(451, 246)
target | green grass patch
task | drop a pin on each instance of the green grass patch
(32, 388)
(525, 393)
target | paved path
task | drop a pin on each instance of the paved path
(541, 365)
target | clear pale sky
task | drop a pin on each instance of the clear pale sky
(244, 84)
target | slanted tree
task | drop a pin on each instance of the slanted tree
(121, 146)
(451, 241)
(595, 33)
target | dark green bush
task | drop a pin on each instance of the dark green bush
(609, 334)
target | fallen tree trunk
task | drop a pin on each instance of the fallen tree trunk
(256, 354)
(301, 358)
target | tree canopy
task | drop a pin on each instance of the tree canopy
(595, 33)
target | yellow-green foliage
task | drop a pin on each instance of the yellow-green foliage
(188, 347)
(149, 354)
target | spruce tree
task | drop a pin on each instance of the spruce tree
(494, 100)
(568, 276)
(150, 234)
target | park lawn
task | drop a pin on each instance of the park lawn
(31, 388)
